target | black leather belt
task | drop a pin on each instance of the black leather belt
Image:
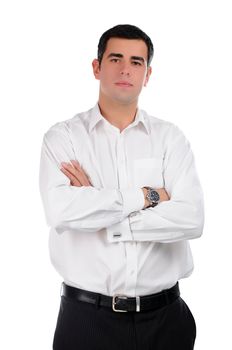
(122, 303)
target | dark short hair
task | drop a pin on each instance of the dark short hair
(125, 31)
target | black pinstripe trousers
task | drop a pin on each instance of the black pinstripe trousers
(83, 326)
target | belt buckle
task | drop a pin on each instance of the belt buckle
(114, 302)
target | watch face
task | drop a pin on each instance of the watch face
(154, 196)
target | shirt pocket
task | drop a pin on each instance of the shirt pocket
(148, 172)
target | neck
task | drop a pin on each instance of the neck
(119, 115)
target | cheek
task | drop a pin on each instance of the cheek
(140, 78)
(108, 75)
(104, 79)
(140, 81)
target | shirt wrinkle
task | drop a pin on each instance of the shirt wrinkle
(104, 225)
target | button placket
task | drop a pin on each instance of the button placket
(130, 247)
(121, 163)
(131, 271)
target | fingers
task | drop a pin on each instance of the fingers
(73, 180)
(84, 176)
(75, 163)
(75, 173)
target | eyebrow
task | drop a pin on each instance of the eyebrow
(119, 55)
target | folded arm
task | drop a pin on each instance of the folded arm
(180, 218)
(84, 208)
(87, 208)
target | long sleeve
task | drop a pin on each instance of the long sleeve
(180, 218)
(100, 238)
(78, 208)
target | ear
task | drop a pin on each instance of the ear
(149, 71)
(96, 68)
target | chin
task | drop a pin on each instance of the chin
(125, 99)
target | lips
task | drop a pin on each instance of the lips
(123, 83)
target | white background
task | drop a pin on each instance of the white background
(46, 52)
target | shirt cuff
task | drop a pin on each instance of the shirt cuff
(133, 200)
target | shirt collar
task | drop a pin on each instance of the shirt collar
(140, 119)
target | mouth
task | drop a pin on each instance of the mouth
(123, 83)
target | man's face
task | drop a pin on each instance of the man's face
(123, 71)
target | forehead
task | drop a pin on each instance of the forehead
(127, 47)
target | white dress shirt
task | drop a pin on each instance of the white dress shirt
(100, 238)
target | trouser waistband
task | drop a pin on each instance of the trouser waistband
(122, 303)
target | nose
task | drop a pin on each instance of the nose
(125, 73)
(125, 70)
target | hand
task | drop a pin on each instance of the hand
(162, 193)
(75, 173)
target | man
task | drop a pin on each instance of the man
(122, 197)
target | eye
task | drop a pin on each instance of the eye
(114, 60)
(136, 63)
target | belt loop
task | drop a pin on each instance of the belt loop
(97, 301)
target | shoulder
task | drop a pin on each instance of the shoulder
(64, 129)
(165, 127)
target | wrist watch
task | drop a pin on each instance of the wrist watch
(152, 197)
